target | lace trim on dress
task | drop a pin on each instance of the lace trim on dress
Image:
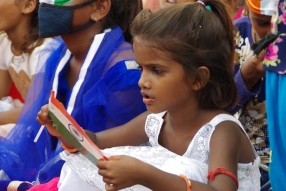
(199, 147)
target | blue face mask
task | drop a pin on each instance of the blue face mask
(58, 20)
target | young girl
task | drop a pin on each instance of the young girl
(20, 46)
(186, 82)
(91, 69)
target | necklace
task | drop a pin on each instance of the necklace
(255, 38)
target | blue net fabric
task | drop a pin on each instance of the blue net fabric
(109, 96)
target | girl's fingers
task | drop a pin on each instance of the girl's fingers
(107, 180)
(102, 172)
(101, 164)
(110, 187)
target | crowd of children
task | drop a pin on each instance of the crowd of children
(195, 63)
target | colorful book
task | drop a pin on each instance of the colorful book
(72, 132)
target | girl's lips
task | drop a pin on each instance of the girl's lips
(147, 99)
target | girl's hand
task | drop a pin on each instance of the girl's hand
(44, 119)
(252, 69)
(120, 172)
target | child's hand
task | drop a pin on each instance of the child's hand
(120, 172)
(44, 119)
(252, 69)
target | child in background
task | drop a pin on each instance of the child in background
(93, 72)
(186, 82)
(251, 75)
(249, 68)
(20, 46)
(275, 66)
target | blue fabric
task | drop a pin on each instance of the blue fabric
(275, 65)
(276, 104)
(243, 25)
(109, 96)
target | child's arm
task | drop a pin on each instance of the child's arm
(225, 152)
(5, 82)
(124, 171)
(131, 133)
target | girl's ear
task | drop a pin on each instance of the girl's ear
(200, 81)
(29, 6)
(101, 9)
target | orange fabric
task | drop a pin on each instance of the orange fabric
(254, 6)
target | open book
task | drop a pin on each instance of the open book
(72, 132)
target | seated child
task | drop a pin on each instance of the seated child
(186, 82)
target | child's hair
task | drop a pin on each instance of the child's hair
(33, 39)
(122, 13)
(195, 37)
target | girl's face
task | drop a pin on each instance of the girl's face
(260, 23)
(163, 83)
(164, 3)
(10, 14)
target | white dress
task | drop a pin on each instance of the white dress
(21, 68)
(78, 173)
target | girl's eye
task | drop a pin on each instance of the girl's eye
(139, 67)
(157, 70)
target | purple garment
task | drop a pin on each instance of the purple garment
(243, 40)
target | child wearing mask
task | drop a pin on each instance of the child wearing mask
(93, 73)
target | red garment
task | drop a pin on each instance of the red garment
(14, 93)
(52, 185)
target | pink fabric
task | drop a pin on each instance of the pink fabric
(49, 186)
(238, 14)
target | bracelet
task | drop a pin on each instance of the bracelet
(188, 182)
(71, 150)
(217, 171)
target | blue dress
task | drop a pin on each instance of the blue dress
(105, 95)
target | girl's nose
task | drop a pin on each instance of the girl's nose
(143, 81)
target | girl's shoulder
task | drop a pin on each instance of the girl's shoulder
(225, 117)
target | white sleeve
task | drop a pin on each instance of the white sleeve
(3, 51)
